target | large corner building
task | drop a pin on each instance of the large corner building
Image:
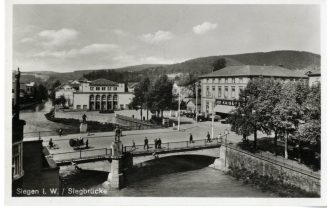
(220, 89)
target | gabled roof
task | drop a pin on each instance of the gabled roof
(103, 82)
(253, 70)
(314, 72)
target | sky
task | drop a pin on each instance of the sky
(65, 38)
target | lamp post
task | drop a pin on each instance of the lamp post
(179, 108)
(196, 101)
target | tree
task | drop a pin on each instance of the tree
(245, 119)
(60, 101)
(53, 90)
(140, 95)
(160, 95)
(41, 93)
(219, 64)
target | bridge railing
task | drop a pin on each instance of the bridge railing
(81, 154)
(172, 146)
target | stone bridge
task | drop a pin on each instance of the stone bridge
(118, 159)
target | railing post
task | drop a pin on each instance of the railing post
(80, 153)
(186, 143)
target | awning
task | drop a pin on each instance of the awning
(223, 108)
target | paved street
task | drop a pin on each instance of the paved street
(104, 139)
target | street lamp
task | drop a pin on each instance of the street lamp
(196, 100)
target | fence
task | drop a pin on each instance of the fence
(171, 146)
(81, 154)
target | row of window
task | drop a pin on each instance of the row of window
(103, 97)
(226, 80)
(103, 88)
(226, 91)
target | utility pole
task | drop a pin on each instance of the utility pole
(196, 101)
(212, 119)
(179, 108)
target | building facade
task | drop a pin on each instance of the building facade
(220, 89)
(102, 94)
(67, 91)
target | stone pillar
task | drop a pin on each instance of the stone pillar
(83, 128)
(221, 163)
(116, 178)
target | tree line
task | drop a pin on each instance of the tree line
(289, 110)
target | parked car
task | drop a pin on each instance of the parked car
(216, 117)
(201, 117)
(224, 121)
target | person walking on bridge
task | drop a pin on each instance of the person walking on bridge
(159, 144)
(191, 138)
(156, 143)
(208, 137)
(146, 143)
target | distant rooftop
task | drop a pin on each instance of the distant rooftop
(253, 70)
(103, 82)
(314, 72)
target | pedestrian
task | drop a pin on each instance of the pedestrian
(159, 144)
(134, 146)
(220, 139)
(208, 137)
(191, 138)
(116, 134)
(121, 132)
(156, 143)
(87, 144)
(60, 132)
(50, 143)
(146, 143)
(133, 116)
(84, 118)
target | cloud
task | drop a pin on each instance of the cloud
(157, 37)
(120, 32)
(204, 28)
(96, 48)
(27, 40)
(54, 38)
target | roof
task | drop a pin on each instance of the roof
(193, 100)
(223, 109)
(103, 82)
(253, 70)
(314, 72)
(132, 84)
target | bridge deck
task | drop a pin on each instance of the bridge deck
(92, 155)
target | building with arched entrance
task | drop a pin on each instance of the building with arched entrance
(102, 94)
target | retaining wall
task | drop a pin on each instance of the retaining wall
(305, 181)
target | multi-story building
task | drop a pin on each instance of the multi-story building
(102, 94)
(220, 89)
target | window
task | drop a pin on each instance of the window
(103, 88)
(84, 107)
(97, 88)
(233, 92)
(115, 88)
(208, 91)
(216, 80)
(78, 107)
(109, 88)
(91, 88)
(233, 80)
(207, 80)
(213, 90)
(240, 80)
(219, 81)
(226, 92)
(226, 80)
(207, 106)
(241, 88)
(219, 91)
